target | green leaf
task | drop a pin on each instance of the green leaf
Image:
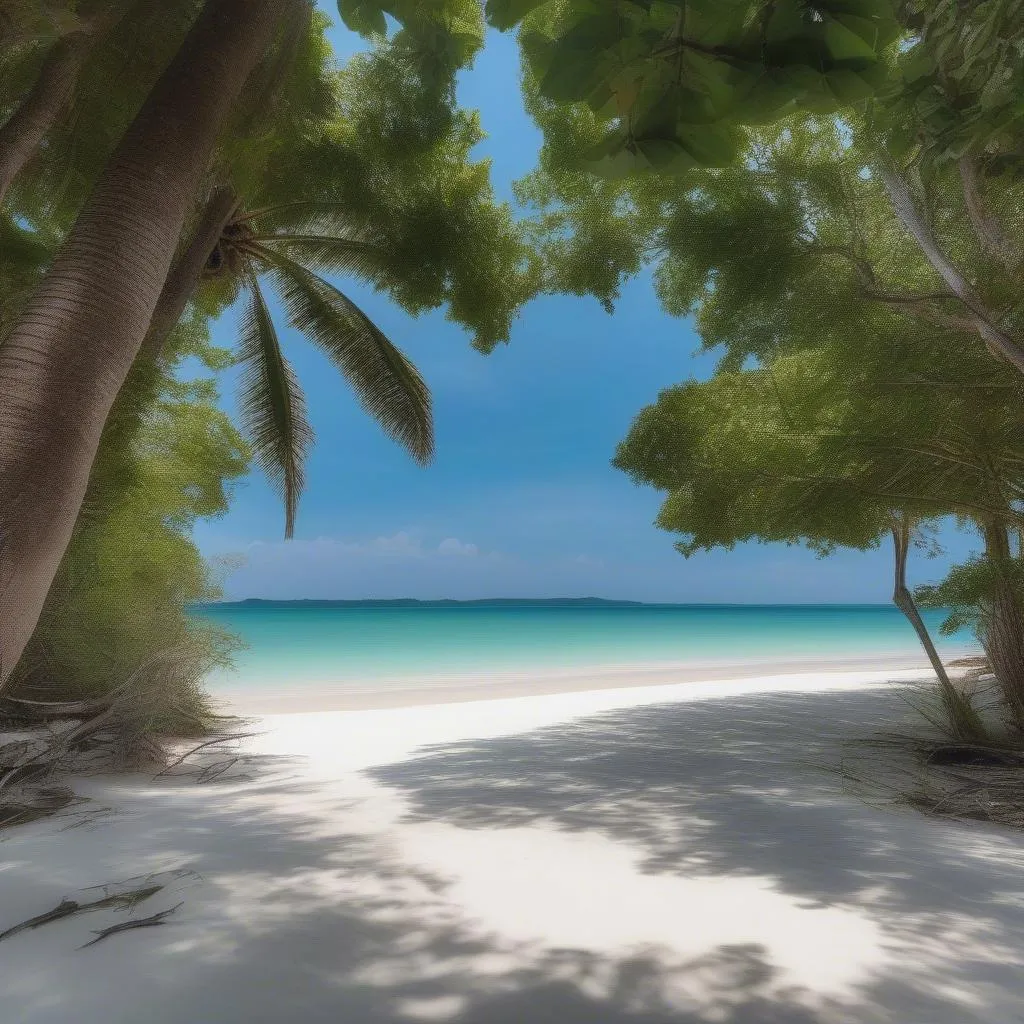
(786, 22)
(387, 385)
(844, 44)
(916, 63)
(709, 145)
(577, 61)
(847, 86)
(340, 255)
(363, 16)
(765, 99)
(666, 155)
(272, 404)
(506, 14)
(617, 165)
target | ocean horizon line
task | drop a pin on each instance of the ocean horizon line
(395, 602)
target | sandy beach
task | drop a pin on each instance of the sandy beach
(651, 854)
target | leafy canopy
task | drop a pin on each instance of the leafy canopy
(849, 388)
(671, 85)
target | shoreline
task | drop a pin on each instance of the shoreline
(386, 694)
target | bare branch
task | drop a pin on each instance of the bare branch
(997, 340)
(991, 235)
(124, 926)
(68, 907)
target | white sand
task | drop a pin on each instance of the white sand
(635, 856)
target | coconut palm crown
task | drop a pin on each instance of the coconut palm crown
(291, 246)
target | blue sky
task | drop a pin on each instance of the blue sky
(521, 500)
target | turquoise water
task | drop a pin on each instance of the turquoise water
(295, 643)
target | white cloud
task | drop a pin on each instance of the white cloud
(401, 544)
(454, 546)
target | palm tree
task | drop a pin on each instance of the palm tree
(290, 246)
(68, 354)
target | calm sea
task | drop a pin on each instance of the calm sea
(292, 644)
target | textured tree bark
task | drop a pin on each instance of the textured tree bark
(139, 389)
(67, 358)
(113, 470)
(998, 341)
(1003, 623)
(185, 275)
(25, 128)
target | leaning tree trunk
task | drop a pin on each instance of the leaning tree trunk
(114, 470)
(32, 119)
(139, 390)
(904, 600)
(187, 271)
(1003, 622)
(963, 718)
(67, 358)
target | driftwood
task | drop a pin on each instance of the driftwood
(124, 926)
(22, 804)
(68, 907)
(211, 771)
(17, 709)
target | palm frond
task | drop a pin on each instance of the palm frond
(329, 252)
(272, 404)
(387, 385)
(303, 215)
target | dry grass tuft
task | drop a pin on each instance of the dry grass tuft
(43, 741)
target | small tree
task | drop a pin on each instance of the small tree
(804, 450)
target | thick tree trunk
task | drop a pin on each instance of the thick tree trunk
(21, 135)
(67, 358)
(1003, 622)
(999, 341)
(139, 389)
(113, 471)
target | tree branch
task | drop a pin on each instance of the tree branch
(996, 339)
(991, 235)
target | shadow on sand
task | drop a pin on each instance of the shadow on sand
(312, 910)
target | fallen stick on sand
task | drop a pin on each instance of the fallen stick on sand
(139, 922)
(68, 907)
